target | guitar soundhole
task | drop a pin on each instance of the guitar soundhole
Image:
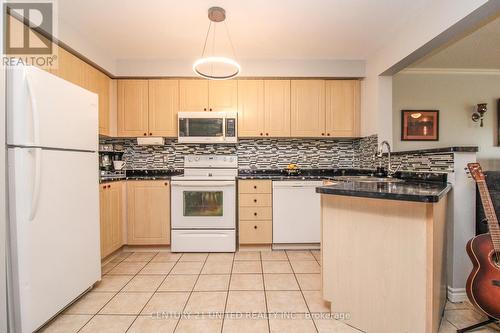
(495, 259)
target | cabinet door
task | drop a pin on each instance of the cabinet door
(71, 68)
(342, 108)
(223, 95)
(148, 212)
(103, 82)
(250, 108)
(104, 221)
(308, 108)
(193, 95)
(163, 107)
(115, 215)
(277, 108)
(132, 108)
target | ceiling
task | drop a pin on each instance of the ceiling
(260, 29)
(480, 49)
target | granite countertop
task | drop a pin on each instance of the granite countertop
(403, 191)
(301, 174)
(143, 175)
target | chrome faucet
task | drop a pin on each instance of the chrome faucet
(379, 154)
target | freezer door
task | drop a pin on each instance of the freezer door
(44, 110)
(54, 226)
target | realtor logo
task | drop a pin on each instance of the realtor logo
(23, 23)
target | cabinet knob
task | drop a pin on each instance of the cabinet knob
(204, 109)
(261, 134)
(328, 134)
(255, 227)
(109, 186)
(267, 134)
(104, 187)
(323, 134)
(150, 133)
(254, 200)
(145, 134)
(166, 183)
(255, 214)
(210, 109)
(255, 186)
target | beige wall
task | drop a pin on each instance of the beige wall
(455, 96)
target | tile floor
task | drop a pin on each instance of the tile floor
(218, 292)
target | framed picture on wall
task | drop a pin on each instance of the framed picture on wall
(419, 125)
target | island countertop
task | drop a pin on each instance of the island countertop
(403, 191)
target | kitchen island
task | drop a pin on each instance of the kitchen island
(383, 254)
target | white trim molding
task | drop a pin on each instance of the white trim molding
(456, 295)
(460, 71)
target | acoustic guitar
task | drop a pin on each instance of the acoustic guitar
(483, 287)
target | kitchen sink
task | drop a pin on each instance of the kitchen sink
(368, 179)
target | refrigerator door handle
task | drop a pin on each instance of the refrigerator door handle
(36, 181)
(34, 111)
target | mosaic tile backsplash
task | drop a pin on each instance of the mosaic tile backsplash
(278, 153)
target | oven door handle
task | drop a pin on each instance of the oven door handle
(203, 183)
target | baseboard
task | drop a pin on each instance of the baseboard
(456, 295)
(308, 246)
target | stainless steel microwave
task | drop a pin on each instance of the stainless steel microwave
(207, 127)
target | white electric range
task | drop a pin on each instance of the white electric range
(203, 202)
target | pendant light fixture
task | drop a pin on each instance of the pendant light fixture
(210, 65)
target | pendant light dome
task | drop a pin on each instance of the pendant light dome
(216, 66)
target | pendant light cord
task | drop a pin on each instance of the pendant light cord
(206, 39)
(230, 40)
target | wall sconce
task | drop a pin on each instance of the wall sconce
(479, 114)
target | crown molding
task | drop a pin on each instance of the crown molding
(467, 71)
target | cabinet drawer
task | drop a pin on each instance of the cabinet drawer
(256, 213)
(255, 186)
(255, 200)
(256, 232)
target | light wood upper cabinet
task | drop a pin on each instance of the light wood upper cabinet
(148, 212)
(307, 108)
(71, 68)
(104, 87)
(132, 108)
(250, 108)
(343, 108)
(277, 108)
(111, 218)
(223, 95)
(163, 107)
(193, 95)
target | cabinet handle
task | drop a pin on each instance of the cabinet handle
(254, 200)
(255, 214)
(255, 227)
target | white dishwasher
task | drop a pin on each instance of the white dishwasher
(296, 212)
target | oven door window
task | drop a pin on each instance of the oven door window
(201, 127)
(203, 203)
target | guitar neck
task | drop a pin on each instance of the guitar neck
(490, 214)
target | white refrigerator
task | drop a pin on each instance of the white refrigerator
(53, 198)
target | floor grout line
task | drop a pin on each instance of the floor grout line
(154, 292)
(227, 296)
(265, 294)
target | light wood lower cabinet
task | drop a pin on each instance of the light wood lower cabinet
(148, 212)
(111, 218)
(255, 212)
